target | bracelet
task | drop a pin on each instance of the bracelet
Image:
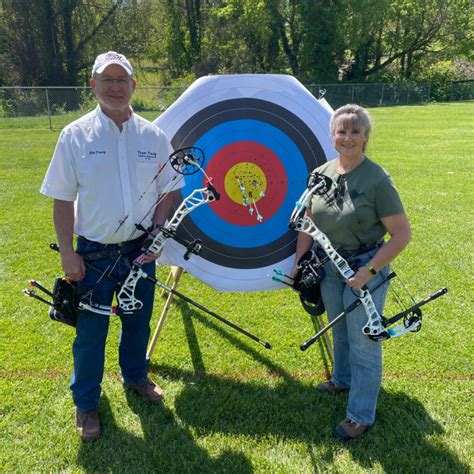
(371, 268)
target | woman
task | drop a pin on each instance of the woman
(356, 213)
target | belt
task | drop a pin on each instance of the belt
(112, 250)
(364, 248)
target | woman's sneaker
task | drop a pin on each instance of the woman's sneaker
(330, 387)
(347, 430)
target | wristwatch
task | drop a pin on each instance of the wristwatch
(371, 268)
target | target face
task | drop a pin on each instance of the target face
(261, 135)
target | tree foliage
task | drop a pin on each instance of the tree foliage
(54, 42)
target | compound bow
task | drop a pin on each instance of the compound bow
(377, 327)
(185, 161)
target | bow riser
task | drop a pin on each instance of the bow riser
(374, 325)
(126, 296)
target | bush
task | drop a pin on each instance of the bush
(24, 102)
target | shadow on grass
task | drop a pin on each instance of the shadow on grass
(166, 446)
(289, 409)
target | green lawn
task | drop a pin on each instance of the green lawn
(230, 404)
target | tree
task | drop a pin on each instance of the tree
(322, 50)
(394, 35)
(55, 41)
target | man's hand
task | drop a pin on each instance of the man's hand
(147, 258)
(73, 265)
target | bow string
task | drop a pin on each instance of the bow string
(377, 327)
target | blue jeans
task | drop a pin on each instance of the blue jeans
(92, 328)
(357, 359)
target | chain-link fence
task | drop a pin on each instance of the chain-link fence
(462, 90)
(57, 106)
(372, 95)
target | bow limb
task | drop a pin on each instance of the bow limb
(412, 317)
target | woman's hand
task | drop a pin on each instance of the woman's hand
(360, 279)
(399, 229)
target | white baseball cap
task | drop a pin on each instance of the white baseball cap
(111, 57)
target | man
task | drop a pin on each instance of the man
(102, 178)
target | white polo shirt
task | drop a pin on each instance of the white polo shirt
(110, 174)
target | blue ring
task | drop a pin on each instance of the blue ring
(293, 162)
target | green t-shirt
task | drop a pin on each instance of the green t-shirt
(350, 212)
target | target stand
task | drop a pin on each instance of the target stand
(261, 135)
(175, 275)
(325, 346)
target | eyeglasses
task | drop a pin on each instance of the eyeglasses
(121, 81)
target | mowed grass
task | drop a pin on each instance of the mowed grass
(230, 404)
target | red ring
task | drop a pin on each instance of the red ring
(251, 152)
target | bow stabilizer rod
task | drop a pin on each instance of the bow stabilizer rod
(144, 275)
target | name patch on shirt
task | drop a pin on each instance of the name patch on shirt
(97, 152)
(147, 155)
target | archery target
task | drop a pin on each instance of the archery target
(261, 136)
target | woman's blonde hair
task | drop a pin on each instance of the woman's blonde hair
(352, 116)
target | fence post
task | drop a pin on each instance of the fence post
(49, 109)
(352, 94)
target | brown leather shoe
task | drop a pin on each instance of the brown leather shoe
(348, 430)
(87, 424)
(330, 387)
(148, 390)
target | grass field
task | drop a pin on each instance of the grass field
(230, 404)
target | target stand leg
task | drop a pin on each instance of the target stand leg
(171, 275)
(326, 347)
(174, 274)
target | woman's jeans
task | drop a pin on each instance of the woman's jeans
(357, 359)
(91, 331)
